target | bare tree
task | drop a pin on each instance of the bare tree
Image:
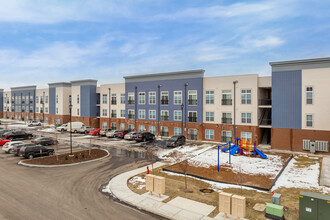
(90, 145)
(56, 144)
(183, 164)
(149, 156)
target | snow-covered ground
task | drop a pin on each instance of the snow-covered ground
(49, 130)
(305, 177)
(138, 180)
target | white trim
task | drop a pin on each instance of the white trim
(174, 97)
(150, 95)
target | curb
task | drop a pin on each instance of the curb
(64, 165)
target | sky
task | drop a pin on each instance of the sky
(54, 41)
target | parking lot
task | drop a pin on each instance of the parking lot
(68, 192)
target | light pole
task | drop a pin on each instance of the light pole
(43, 110)
(29, 109)
(135, 110)
(21, 106)
(70, 108)
(185, 109)
(109, 89)
(159, 108)
(182, 105)
(235, 82)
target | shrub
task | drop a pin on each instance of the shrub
(76, 156)
(82, 155)
(66, 157)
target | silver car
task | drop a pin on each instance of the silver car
(130, 136)
(104, 131)
(112, 133)
(85, 129)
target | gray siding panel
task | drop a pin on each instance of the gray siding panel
(52, 100)
(286, 99)
(88, 99)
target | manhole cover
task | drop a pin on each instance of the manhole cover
(207, 190)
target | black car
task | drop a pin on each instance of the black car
(176, 141)
(35, 151)
(44, 141)
(144, 136)
(12, 135)
(17, 148)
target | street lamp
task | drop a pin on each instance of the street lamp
(159, 107)
(70, 108)
(235, 82)
(21, 106)
(185, 109)
(182, 105)
(135, 110)
(43, 110)
(109, 106)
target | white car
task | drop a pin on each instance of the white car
(8, 147)
(62, 127)
(33, 123)
(111, 134)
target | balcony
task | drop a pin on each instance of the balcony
(31, 102)
(164, 117)
(23, 102)
(131, 102)
(265, 102)
(31, 111)
(23, 110)
(192, 101)
(226, 101)
(7, 102)
(192, 119)
(113, 115)
(225, 139)
(266, 122)
(164, 101)
(226, 120)
(113, 102)
(41, 111)
(41, 102)
(12, 101)
(131, 116)
(192, 136)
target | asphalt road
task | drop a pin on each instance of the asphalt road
(65, 193)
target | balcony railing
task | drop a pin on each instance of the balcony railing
(226, 101)
(12, 101)
(7, 102)
(113, 102)
(41, 111)
(192, 101)
(226, 120)
(225, 139)
(23, 102)
(164, 117)
(265, 122)
(131, 116)
(192, 136)
(265, 102)
(192, 119)
(31, 110)
(131, 102)
(23, 110)
(31, 101)
(164, 102)
(41, 102)
(113, 115)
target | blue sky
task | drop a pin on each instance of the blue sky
(49, 41)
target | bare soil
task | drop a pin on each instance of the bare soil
(79, 156)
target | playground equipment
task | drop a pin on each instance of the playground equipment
(242, 147)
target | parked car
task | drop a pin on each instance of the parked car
(2, 141)
(176, 141)
(44, 141)
(9, 146)
(4, 131)
(76, 126)
(13, 135)
(121, 134)
(130, 136)
(33, 123)
(144, 136)
(95, 131)
(35, 151)
(62, 127)
(104, 131)
(17, 148)
(85, 129)
(112, 134)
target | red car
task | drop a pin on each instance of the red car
(2, 142)
(95, 131)
(121, 134)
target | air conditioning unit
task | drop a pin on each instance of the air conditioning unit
(306, 144)
(312, 147)
(322, 146)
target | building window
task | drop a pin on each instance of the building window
(104, 112)
(37, 99)
(31, 109)
(164, 98)
(56, 98)
(113, 99)
(309, 120)
(246, 117)
(104, 124)
(41, 99)
(164, 131)
(177, 115)
(152, 98)
(113, 113)
(226, 97)
(77, 99)
(192, 116)
(122, 98)
(104, 99)
(246, 135)
(142, 128)
(177, 97)
(46, 99)
(226, 136)
(131, 98)
(209, 134)
(309, 95)
(122, 113)
(164, 115)
(131, 114)
(113, 126)
(209, 116)
(56, 110)
(131, 127)
(192, 97)
(209, 97)
(226, 118)
(246, 96)
(70, 99)
(177, 131)
(142, 98)
(37, 109)
(142, 114)
(122, 126)
(46, 110)
(46, 119)
(192, 134)
(152, 129)
(152, 114)
(78, 111)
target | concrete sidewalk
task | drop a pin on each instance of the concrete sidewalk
(325, 172)
(118, 187)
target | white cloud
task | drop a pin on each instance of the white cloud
(267, 41)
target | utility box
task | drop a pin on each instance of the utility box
(276, 199)
(159, 185)
(274, 211)
(150, 182)
(314, 206)
(238, 206)
(225, 203)
(312, 148)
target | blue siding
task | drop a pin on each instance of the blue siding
(88, 100)
(52, 100)
(286, 99)
(1, 101)
(24, 93)
(170, 86)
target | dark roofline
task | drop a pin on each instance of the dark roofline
(302, 61)
(164, 74)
